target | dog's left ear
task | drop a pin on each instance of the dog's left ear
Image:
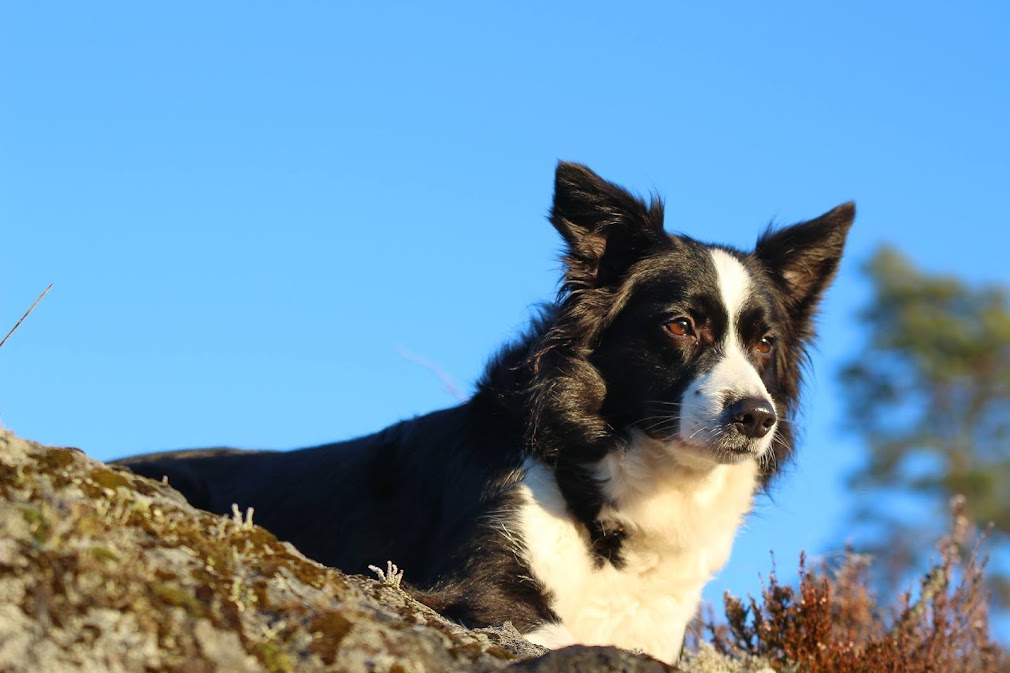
(605, 227)
(804, 258)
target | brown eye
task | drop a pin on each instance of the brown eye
(766, 345)
(681, 327)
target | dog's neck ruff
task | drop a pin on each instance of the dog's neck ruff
(679, 521)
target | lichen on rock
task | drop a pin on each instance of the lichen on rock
(106, 571)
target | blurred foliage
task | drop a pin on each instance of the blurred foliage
(930, 395)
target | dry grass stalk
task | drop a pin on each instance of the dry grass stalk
(30, 309)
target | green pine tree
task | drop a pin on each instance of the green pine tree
(930, 395)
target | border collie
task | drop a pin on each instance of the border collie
(595, 481)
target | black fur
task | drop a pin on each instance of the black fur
(433, 494)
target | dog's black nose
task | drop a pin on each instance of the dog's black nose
(753, 416)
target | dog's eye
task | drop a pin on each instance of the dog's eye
(682, 327)
(766, 345)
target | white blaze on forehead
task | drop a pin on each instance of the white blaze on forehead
(734, 285)
(734, 374)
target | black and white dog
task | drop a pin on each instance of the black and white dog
(595, 481)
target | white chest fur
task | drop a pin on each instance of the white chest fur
(680, 520)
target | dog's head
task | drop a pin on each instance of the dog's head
(696, 345)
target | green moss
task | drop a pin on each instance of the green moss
(179, 597)
(273, 658)
(148, 487)
(473, 651)
(37, 522)
(90, 524)
(317, 577)
(109, 479)
(103, 555)
(261, 591)
(500, 653)
(10, 477)
(329, 629)
(57, 460)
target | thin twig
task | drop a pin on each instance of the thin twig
(447, 381)
(30, 309)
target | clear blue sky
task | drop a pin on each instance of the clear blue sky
(248, 210)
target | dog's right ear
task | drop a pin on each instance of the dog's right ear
(605, 227)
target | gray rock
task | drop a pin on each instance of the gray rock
(591, 660)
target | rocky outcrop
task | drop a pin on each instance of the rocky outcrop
(104, 571)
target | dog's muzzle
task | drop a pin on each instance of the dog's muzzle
(752, 417)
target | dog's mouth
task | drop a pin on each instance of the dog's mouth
(722, 449)
(743, 430)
